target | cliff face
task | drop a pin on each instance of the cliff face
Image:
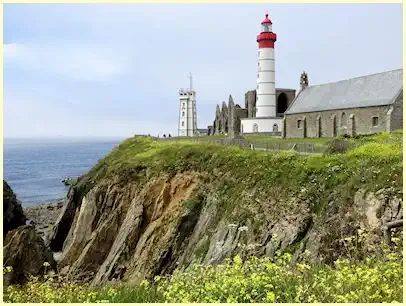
(171, 205)
(13, 215)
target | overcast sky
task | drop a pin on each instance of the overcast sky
(115, 69)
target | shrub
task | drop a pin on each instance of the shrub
(338, 145)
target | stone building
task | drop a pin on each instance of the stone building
(228, 117)
(358, 106)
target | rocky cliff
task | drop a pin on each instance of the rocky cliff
(13, 215)
(24, 250)
(150, 207)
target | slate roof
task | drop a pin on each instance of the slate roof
(371, 90)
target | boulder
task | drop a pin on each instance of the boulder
(26, 253)
(13, 215)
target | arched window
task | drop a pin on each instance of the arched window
(282, 103)
(255, 128)
(334, 119)
(343, 120)
(275, 128)
(319, 132)
(242, 128)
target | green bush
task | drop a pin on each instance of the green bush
(338, 145)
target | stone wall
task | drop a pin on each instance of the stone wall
(396, 121)
(354, 121)
(250, 102)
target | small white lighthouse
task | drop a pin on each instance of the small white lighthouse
(187, 111)
(266, 102)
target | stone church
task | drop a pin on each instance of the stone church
(357, 106)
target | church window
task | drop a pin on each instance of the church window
(183, 114)
(299, 124)
(183, 123)
(343, 119)
(375, 121)
(255, 128)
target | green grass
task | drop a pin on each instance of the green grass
(274, 139)
(374, 163)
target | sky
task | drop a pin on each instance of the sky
(115, 70)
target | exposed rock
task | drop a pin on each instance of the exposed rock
(44, 216)
(60, 230)
(135, 231)
(70, 181)
(26, 253)
(13, 215)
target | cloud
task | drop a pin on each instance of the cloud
(72, 60)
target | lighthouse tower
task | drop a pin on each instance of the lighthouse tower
(266, 105)
(265, 119)
(187, 111)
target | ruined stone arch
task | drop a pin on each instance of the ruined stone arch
(282, 103)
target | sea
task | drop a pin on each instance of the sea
(35, 168)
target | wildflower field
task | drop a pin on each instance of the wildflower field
(378, 278)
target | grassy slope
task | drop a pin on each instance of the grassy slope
(375, 163)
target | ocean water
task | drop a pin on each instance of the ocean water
(34, 168)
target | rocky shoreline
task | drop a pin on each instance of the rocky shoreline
(44, 215)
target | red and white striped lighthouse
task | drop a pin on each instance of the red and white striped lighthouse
(266, 102)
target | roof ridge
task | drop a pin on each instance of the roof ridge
(354, 78)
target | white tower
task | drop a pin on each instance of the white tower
(187, 111)
(266, 102)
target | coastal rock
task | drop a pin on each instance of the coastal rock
(26, 253)
(70, 181)
(133, 232)
(13, 215)
(57, 236)
(44, 216)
